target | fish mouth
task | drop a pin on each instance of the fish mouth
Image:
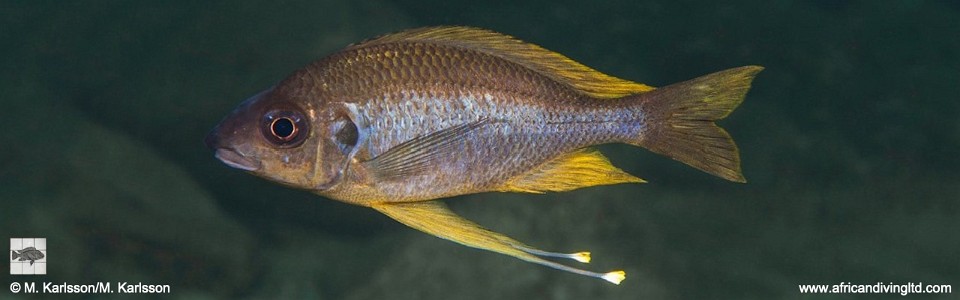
(235, 159)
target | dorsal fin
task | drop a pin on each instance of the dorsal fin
(554, 65)
(578, 169)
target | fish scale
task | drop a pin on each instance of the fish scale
(545, 131)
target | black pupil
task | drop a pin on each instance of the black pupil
(283, 128)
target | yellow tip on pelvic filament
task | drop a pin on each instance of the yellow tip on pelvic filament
(614, 277)
(583, 257)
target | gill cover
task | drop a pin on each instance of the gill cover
(343, 137)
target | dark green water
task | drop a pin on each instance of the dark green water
(849, 140)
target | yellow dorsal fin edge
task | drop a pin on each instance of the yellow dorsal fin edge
(579, 169)
(554, 65)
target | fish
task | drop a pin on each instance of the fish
(28, 253)
(399, 122)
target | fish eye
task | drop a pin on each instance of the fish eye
(284, 128)
(348, 135)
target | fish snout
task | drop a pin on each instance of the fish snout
(212, 140)
(222, 142)
(235, 159)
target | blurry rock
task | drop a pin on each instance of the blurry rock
(111, 208)
(304, 265)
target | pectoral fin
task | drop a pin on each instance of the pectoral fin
(418, 155)
(434, 218)
(579, 169)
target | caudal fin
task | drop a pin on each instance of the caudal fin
(680, 121)
(13, 255)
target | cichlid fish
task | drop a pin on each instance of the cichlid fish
(28, 253)
(399, 121)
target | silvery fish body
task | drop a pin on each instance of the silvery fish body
(515, 130)
(397, 121)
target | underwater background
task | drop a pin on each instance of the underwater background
(849, 141)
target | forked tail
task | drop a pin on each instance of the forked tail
(680, 119)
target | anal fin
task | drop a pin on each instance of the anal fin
(579, 169)
(434, 218)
